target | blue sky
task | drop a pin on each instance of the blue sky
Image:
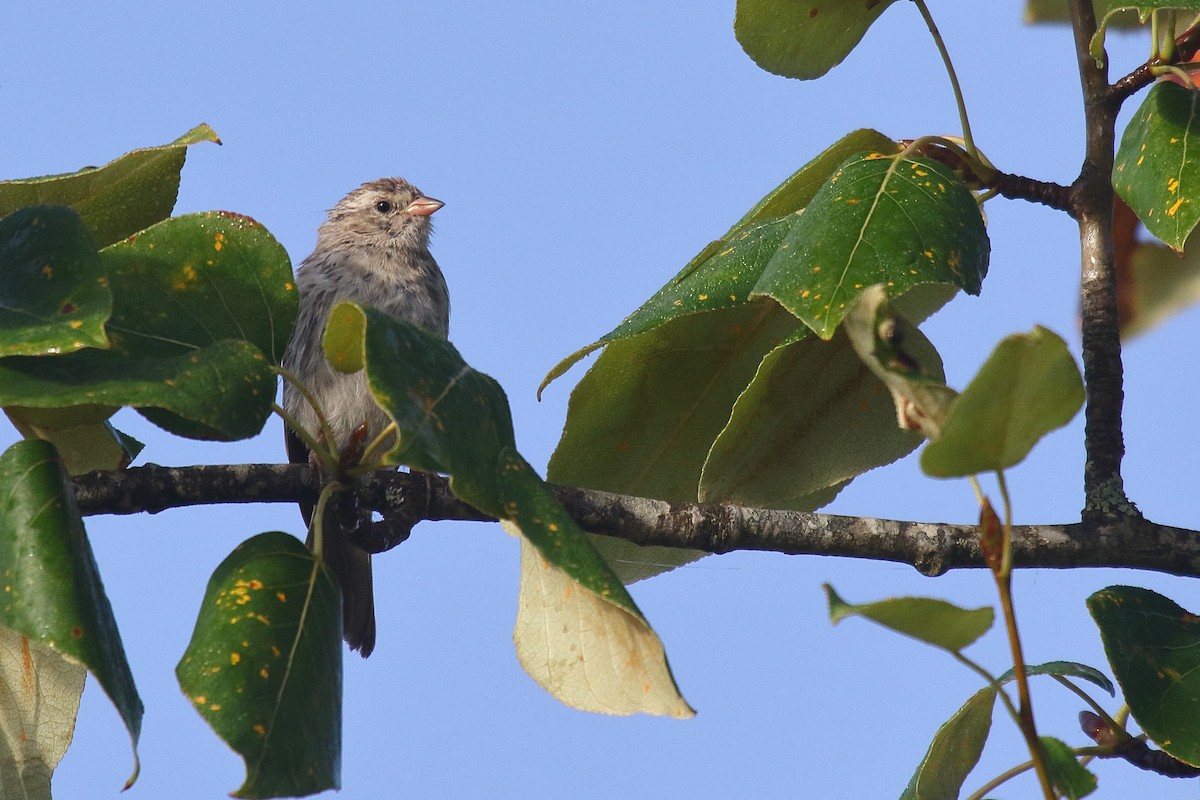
(584, 153)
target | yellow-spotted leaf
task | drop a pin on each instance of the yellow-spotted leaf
(897, 220)
(715, 353)
(202, 308)
(54, 293)
(264, 666)
(725, 273)
(1156, 172)
(194, 280)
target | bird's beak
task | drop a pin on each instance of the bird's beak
(423, 206)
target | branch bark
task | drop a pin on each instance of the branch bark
(1092, 205)
(932, 548)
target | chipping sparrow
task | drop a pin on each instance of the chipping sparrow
(373, 249)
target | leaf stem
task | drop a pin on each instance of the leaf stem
(1003, 578)
(968, 139)
(318, 518)
(991, 680)
(309, 398)
(1002, 778)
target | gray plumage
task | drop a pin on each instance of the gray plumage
(374, 249)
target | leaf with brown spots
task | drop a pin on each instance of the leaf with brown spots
(264, 666)
(54, 293)
(194, 280)
(53, 597)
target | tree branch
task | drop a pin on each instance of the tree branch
(1186, 46)
(1092, 202)
(932, 548)
(1019, 187)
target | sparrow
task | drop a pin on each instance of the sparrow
(373, 248)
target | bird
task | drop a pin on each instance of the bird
(373, 248)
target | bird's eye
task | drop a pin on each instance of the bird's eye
(383, 206)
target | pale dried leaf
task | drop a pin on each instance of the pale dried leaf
(41, 691)
(587, 652)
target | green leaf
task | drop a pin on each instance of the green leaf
(1066, 669)
(52, 589)
(455, 420)
(895, 220)
(954, 752)
(725, 272)
(1028, 387)
(223, 391)
(118, 199)
(1152, 645)
(1121, 10)
(54, 295)
(1056, 11)
(929, 620)
(784, 448)
(1067, 775)
(903, 359)
(643, 418)
(1155, 172)
(802, 38)
(264, 666)
(197, 279)
(198, 301)
(657, 409)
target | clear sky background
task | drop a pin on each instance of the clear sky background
(586, 151)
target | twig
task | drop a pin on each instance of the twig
(932, 548)
(1187, 44)
(1018, 187)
